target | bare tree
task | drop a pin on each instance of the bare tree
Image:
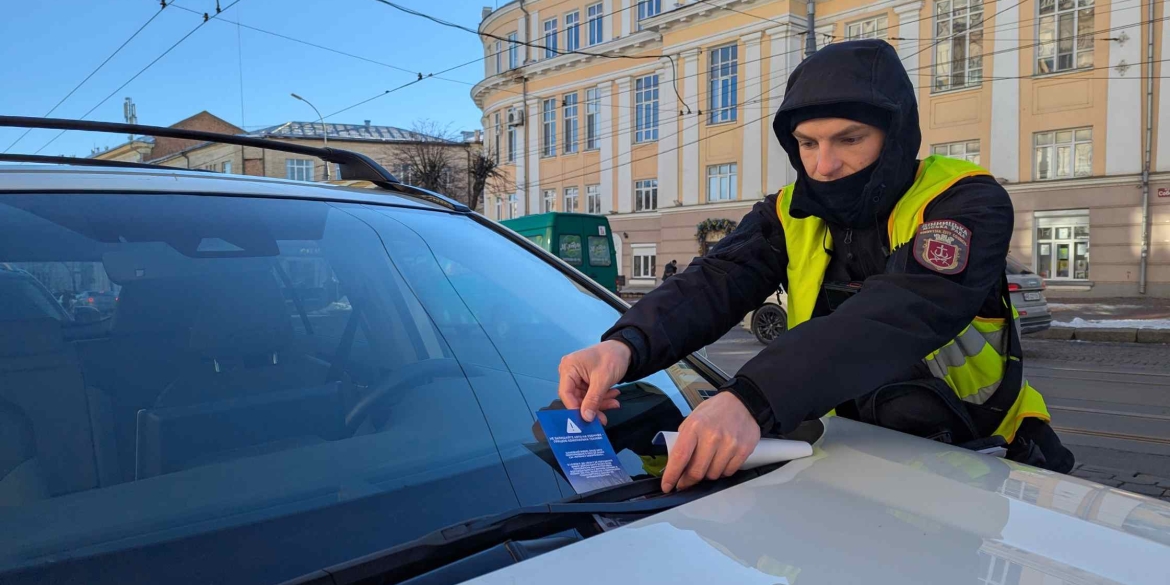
(436, 160)
(483, 171)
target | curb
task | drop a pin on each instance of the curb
(1104, 334)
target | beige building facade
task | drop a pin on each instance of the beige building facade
(658, 113)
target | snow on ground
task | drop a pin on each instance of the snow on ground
(1089, 307)
(1115, 323)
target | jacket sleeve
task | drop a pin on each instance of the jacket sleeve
(699, 305)
(894, 321)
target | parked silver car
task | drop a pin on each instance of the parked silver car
(227, 426)
(1027, 292)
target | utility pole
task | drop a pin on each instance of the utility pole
(324, 131)
(810, 39)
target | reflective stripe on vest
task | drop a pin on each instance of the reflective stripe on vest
(972, 364)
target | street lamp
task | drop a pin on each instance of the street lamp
(324, 130)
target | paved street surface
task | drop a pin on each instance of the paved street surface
(1110, 403)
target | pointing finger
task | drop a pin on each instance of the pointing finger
(680, 455)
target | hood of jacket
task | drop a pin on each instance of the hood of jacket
(862, 72)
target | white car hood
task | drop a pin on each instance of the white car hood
(874, 506)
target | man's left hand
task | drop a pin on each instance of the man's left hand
(712, 442)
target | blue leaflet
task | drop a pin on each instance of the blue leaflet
(582, 450)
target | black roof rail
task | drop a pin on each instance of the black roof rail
(83, 162)
(353, 165)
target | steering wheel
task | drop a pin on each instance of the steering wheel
(387, 387)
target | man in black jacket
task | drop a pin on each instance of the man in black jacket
(883, 339)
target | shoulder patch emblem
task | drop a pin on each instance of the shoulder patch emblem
(943, 246)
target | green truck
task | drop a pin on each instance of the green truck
(582, 240)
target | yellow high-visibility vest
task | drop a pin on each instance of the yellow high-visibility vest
(973, 364)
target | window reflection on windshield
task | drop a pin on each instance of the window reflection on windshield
(212, 375)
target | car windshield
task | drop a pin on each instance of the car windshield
(260, 388)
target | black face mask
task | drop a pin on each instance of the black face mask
(842, 202)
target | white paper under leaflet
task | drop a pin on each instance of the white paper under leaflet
(767, 451)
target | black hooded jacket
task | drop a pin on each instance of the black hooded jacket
(904, 310)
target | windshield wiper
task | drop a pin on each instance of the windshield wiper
(461, 540)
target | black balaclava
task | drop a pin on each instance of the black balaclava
(866, 82)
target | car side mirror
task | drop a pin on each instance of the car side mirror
(86, 315)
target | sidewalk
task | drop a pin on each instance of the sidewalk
(1128, 319)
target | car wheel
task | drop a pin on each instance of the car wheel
(768, 323)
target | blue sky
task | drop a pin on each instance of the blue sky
(51, 46)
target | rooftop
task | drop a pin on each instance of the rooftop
(355, 132)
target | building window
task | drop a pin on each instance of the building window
(573, 31)
(513, 51)
(571, 196)
(595, 13)
(548, 114)
(405, 173)
(958, 57)
(513, 205)
(645, 260)
(646, 195)
(1063, 154)
(226, 168)
(1062, 246)
(511, 144)
(499, 57)
(721, 181)
(496, 137)
(299, 169)
(646, 108)
(873, 28)
(1065, 34)
(723, 78)
(550, 38)
(592, 118)
(499, 208)
(570, 105)
(968, 151)
(648, 8)
(593, 199)
(548, 201)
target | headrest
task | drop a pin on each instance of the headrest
(17, 441)
(156, 306)
(241, 315)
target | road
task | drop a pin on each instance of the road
(1110, 403)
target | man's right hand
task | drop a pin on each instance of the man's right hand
(588, 377)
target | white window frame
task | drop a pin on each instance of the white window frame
(548, 135)
(646, 108)
(572, 198)
(1069, 229)
(648, 9)
(727, 176)
(496, 138)
(1052, 143)
(226, 167)
(573, 31)
(548, 201)
(513, 205)
(1078, 47)
(592, 119)
(595, 17)
(299, 169)
(646, 195)
(570, 104)
(499, 208)
(593, 199)
(499, 57)
(513, 51)
(511, 144)
(968, 150)
(876, 27)
(644, 263)
(722, 84)
(961, 14)
(550, 38)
